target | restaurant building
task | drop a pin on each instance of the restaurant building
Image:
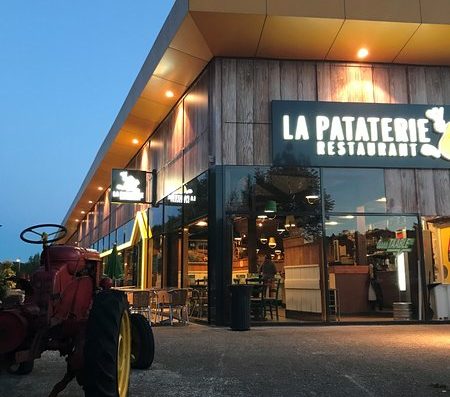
(316, 133)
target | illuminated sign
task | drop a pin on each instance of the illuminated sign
(396, 245)
(128, 186)
(360, 134)
(178, 198)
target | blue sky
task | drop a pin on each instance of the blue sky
(65, 70)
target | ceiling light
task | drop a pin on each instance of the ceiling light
(90, 202)
(312, 198)
(271, 207)
(331, 223)
(347, 217)
(382, 200)
(272, 242)
(262, 216)
(100, 188)
(202, 223)
(77, 220)
(169, 94)
(83, 212)
(135, 141)
(362, 53)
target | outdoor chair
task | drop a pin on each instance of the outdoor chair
(176, 302)
(140, 303)
(199, 302)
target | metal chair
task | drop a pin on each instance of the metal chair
(176, 302)
(140, 303)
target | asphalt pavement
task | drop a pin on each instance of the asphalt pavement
(195, 360)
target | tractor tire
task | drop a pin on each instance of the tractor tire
(142, 342)
(107, 349)
(23, 368)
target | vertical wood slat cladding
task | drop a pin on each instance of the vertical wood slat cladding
(229, 111)
(244, 112)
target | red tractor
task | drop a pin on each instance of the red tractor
(69, 307)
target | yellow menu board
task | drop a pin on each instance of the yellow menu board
(445, 253)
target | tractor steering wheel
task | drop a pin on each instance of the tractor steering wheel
(59, 234)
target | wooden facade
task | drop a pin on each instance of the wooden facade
(178, 151)
(242, 89)
(225, 119)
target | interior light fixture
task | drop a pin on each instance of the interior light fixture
(281, 229)
(169, 94)
(90, 202)
(272, 242)
(312, 198)
(381, 200)
(263, 240)
(331, 223)
(83, 212)
(135, 141)
(347, 217)
(362, 53)
(271, 207)
(401, 271)
(260, 224)
(77, 220)
(278, 252)
(202, 223)
(290, 222)
(262, 216)
(100, 188)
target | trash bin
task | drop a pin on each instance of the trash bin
(441, 300)
(240, 306)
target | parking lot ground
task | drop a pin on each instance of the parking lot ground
(195, 360)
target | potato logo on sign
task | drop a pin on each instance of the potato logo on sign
(440, 126)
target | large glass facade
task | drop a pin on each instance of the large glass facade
(364, 268)
(276, 221)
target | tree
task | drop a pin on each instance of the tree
(6, 273)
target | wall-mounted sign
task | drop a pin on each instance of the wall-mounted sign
(360, 135)
(128, 186)
(396, 245)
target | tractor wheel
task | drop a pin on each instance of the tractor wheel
(23, 368)
(142, 342)
(107, 349)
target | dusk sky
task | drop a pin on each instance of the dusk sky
(66, 67)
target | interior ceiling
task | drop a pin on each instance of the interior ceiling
(394, 31)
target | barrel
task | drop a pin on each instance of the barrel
(402, 311)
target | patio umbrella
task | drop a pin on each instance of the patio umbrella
(114, 267)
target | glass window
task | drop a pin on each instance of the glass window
(238, 188)
(354, 190)
(272, 189)
(196, 198)
(283, 253)
(287, 190)
(173, 206)
(372, 264)
(155, 219)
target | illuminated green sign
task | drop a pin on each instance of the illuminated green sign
(396, 244)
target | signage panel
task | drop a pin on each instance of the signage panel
(360, 135)
(128, 186)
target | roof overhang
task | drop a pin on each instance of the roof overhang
(394, 31)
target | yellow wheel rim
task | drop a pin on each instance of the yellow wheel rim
(123, 355)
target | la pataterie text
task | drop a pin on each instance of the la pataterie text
(361, 136)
